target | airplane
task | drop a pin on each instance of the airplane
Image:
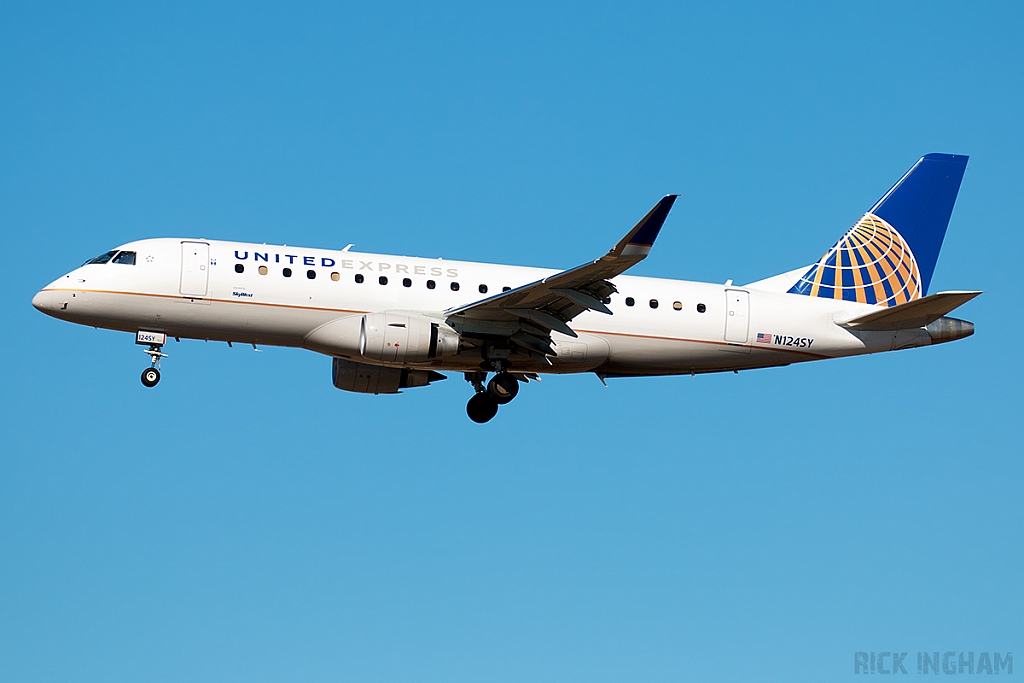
(395, 322)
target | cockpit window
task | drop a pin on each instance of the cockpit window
(125, 257)
(102, 258)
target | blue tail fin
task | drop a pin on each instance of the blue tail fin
(889, 256)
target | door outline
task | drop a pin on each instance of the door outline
(737, 316)
(195, 269)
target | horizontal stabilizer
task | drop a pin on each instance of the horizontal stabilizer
(917, 313)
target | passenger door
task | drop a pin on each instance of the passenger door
(195, 268)
(737, 316)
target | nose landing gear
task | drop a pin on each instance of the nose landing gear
(151, 375)
(156, 341)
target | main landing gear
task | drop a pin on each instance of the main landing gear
(502, 388)
(482, 407)
(151, 375)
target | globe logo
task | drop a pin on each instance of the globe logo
(870, 264)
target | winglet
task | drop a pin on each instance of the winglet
(640, 239)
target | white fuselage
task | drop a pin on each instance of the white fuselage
(673, 326)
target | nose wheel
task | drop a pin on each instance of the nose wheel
(151, 375)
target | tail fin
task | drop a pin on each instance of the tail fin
(889, 256)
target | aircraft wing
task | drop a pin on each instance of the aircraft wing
(917, 313)
(526, 316)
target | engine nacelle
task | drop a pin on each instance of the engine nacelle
(387, 337)
(397, 338)
(374, 379)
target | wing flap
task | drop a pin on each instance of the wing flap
(584, 300)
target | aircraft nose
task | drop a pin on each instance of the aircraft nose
(42, 301)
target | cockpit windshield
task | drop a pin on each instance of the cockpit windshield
(125, 258)
(102, 258)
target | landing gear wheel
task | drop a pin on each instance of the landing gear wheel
(503, 387)
(150, 376)
(481, 408)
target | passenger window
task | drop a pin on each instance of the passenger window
(239, 268)
(406, 282)
(287, 272)
(126, 258)
(629, 301)
(506, 289)
(483, 289)
(455, 286)
(311, 274)
(359, 278)
(701, 308)
(383, 279)
(678, 305)
(431, 284)
(335, 276)
(654, 303)
(102, 258)
(263, 270)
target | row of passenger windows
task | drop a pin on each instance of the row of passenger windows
(676, 305)
(431, 284)
(383, 279)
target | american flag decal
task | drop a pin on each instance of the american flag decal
(763, 338)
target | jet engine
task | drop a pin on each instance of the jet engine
(374, 379)
(387, 337)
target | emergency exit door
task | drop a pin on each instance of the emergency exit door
(195, 268)
(737, 316)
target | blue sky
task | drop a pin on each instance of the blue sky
(247, 521)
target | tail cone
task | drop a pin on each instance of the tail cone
(949, 329)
